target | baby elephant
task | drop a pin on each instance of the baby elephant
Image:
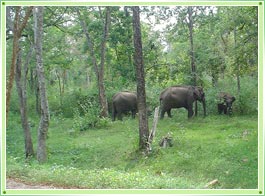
(122, 103)
(225, 103)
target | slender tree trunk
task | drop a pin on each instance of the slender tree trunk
(192, 55)
(17, 30)
(99, 68)
(60, 87)
(21, 89)
(141, 95)
(102, 96)
(237, 64)
(44, 121)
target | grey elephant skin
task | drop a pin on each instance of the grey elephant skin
(225, 103)
(122, 103)
(181, 96)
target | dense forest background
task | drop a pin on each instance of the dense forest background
(223, 51)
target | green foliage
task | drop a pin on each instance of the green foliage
(88, 117)
(215, 147)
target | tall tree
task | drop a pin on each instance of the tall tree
(44, 121)
(190, 24)
(140, 75)
(17, 32)
(99, 67)
(22, 95)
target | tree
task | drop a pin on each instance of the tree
(22, 95)
(190, 24)
(44, 121)
(99, 68)
(17, 31)
(139, 67)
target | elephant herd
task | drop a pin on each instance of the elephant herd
(179, 96)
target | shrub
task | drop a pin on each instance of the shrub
(87, 115)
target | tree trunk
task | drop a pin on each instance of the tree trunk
(192, 57)
(102, 96)
(141, 96)
(98, 68)
(60, 87)
(44, 121)
(21, 89)
(17, 30)
(237, 64)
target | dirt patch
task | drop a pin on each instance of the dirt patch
(16, 184)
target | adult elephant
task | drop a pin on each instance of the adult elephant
(122, 103)
(225, 103)
(181, 96)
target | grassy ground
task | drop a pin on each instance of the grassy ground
(204, 149)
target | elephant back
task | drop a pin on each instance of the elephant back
(125, 97)
(223, 96)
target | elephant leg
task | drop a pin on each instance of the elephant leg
(133, 113)
(114, 115)
(220, 108)
(225, 109)
(169, 113)
(162, 114)
(190, 112)
(196, 108)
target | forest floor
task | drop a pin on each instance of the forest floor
(216, 147)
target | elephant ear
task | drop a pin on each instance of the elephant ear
(233, 99)
(196, 93)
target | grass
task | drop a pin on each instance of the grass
(204, 149)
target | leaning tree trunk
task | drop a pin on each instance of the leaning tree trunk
(141, 95)
(44, 121)
(17, 31)
(21, 89)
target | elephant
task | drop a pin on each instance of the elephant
(225, 103)
(181, 96)
(122, 103)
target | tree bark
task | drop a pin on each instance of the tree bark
(102, 96)
(192, 57)
(44, 121)
(21, 89)
(237, 63)
(98, 68)
(17, 30)
(140, 75)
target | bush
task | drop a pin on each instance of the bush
(87, 114)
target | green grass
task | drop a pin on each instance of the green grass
(203, 149)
